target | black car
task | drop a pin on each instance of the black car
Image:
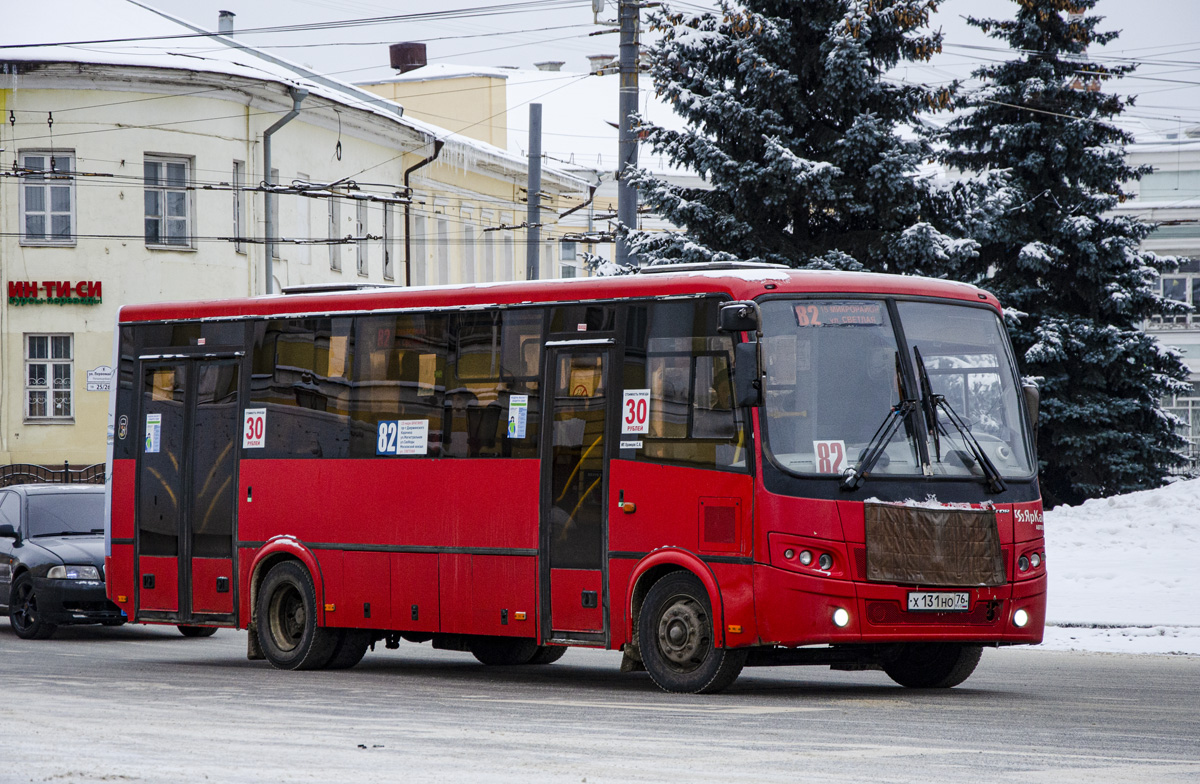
(52, 558)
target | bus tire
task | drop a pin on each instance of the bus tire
(351, 647)
(932, 665)
(548, 654)
(503, 651)
(197, 631)
(287, 620)
(675, 638)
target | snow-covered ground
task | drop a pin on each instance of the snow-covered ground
(1125, 573)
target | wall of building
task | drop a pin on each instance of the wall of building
(110, 122)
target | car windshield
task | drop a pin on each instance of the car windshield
(836, 370)
(65, 514)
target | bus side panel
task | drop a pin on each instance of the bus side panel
(504, 595)
(332, 593)
(394, 502)
(619, 570)
(454, 583)
(676, 506)
(119, 577)
(415, 605)
(366, 586)
(736, 582)
(163, 596)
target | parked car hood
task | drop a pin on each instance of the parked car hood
(73, 549)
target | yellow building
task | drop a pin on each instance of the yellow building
(136, 172)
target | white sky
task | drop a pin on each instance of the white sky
(1164, 34)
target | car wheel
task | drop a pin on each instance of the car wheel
(503, 651)
(197, 631)
(934, 665)
(548, 654)
(23, 613)
(675, 637)
(287, 620)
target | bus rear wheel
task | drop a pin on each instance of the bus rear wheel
(287, 621)
(548, 654)
(197, 631)
(503, 651)
(675, 638)
(351, 647)
(934, 665)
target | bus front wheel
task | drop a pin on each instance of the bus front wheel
(675, 638)
(934, 665)
(287, 620)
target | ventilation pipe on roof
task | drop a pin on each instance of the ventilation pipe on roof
(298, 95)
(550, 65)
(225, 22)
(602, 63)
(407, 57)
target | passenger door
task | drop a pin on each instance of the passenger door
(187, 487)
(574, 485)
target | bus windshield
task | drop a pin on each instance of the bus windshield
(838, 370)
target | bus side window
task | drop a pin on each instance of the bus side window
(673, 349)
(496, 355)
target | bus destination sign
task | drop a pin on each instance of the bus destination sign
(826, 314)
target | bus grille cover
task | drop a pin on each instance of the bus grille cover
(933, 546)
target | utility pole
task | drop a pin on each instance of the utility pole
(627, 197)
(533, 215)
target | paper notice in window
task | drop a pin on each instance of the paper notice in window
(153, 433)
(518, 414)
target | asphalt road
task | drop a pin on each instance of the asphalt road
(144, 704)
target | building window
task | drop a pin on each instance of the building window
(335, 235)
(47, 198)
(168, 213)
(239, 206)
(48, 377)
(1183, 285)
(1187, 408)
(361, 245)
(389, 242)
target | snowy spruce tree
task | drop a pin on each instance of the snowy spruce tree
(792, 122)
(1062, 260)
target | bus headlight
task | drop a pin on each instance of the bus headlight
(73, 573)
(841, 618)
(1020, 618)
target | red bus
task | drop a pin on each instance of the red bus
(706, 468)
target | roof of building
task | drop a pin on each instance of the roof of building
(135, 34)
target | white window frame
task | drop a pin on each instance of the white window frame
(49, 386)
(45, 184)
(164, 190)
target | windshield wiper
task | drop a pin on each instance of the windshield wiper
(853, 477)
(931, 403)
(69, 533)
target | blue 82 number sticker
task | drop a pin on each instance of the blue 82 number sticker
(388, 438)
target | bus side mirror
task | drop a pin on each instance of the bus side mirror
(747, 386)
(1033, 400)
(738, 317)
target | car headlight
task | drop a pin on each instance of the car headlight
(73, 573)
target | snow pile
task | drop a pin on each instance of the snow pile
(1125, 572)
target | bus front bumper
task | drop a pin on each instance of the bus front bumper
(799, 609)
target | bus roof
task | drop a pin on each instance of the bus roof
(746, 282)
